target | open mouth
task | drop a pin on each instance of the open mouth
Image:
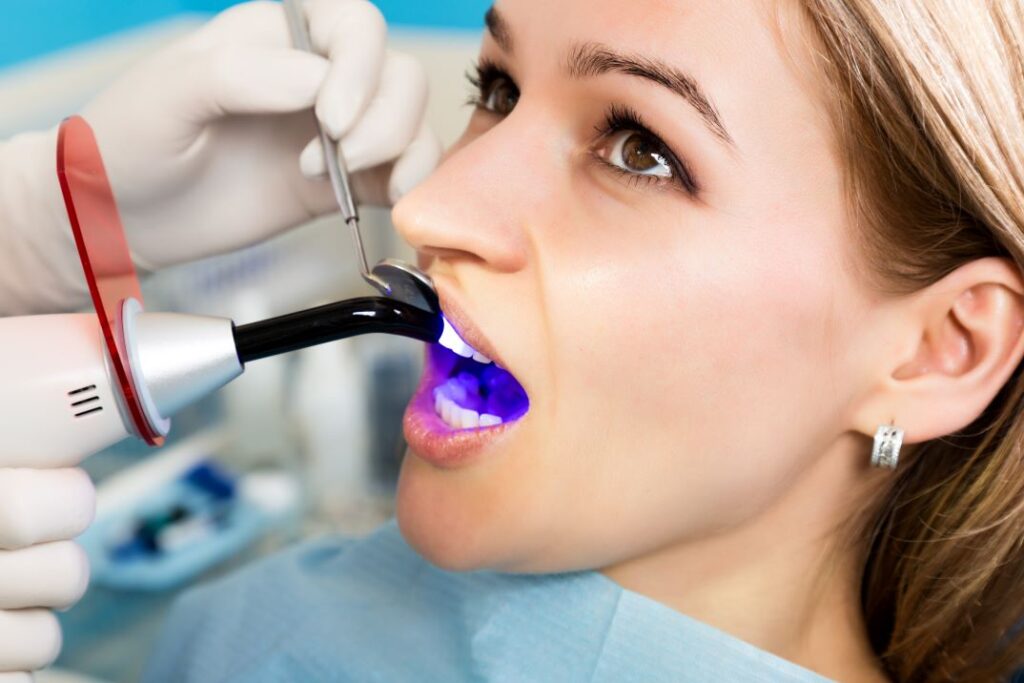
(471, 391)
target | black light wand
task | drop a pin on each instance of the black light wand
(332, 322)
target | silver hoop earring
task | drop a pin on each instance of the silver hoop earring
(886, 451)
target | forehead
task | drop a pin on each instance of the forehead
(641, 24)
(749, 55)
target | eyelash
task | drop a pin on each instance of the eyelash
(486, 73)
(482, 76)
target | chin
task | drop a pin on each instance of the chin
(437, 518)
(467, 519)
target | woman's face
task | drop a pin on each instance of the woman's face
(645, 221)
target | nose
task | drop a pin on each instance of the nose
(477, 205)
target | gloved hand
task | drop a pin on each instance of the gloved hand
(202, 144)
(202, 141)
(40, 568)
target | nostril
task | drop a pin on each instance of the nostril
(446, 254)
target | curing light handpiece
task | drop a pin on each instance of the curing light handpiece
(177, 359)
(77, 383)
(67, 400)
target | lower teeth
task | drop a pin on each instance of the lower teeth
(457, 417)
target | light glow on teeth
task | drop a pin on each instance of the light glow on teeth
(470, 419)
(488, 420)
(451, 340)
(458, 417)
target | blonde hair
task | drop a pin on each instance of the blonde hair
(928, 107)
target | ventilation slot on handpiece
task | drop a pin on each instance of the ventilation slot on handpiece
(84, 401)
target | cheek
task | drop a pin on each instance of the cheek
(693, 382)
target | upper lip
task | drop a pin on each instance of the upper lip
(464, 325)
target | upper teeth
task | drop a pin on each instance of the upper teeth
(450, 339)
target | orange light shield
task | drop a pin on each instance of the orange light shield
(103, 250)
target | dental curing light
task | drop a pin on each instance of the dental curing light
(77, 383)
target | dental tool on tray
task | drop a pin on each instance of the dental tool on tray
(77, 383)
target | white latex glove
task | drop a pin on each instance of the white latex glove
(40, 567)
(202, 143)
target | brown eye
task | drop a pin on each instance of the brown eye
(501, 97)
(639, 153)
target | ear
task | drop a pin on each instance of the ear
(966, 337)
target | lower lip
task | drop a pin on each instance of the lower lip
(432, 440)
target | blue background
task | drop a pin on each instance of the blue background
(32, 28)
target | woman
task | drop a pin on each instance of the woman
(719, 246)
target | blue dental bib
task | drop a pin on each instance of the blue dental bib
(374, 610)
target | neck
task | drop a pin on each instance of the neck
(787, 581)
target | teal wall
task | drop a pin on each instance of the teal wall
(32, 28)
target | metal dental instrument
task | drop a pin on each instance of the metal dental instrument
(391, 277)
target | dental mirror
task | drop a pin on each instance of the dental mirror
(408, 284)
(391, 277)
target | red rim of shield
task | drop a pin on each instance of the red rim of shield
(103, 250)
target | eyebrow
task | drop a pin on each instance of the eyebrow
(593, 59)
(498, 28)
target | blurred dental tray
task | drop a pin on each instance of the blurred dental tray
(182, 520)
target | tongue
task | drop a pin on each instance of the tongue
(506, 398)
(494, 391)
